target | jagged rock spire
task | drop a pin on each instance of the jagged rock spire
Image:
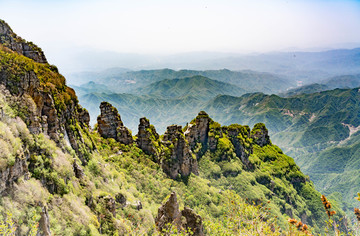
(260, 135)
(111, 126)
(198, 130)
(148, 139)
(179, 161)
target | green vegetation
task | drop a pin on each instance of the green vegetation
(71, 181)
(312, 128)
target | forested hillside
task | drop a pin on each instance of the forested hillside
(61, 177)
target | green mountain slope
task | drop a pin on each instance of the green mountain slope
(197, 86)
(59, 177)
(319, 130)
(126, 82)
(343, 81)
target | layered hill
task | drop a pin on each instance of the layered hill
(319, 130)
(196, 86)
(343, 81)
(61, 178)
(126, 81)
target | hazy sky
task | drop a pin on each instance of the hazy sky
(173, 26)
(168, 26)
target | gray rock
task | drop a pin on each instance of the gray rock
(260, 135)
(178, 160)
(169, 214)
(9, 39)
(111, 126)
(148, 139)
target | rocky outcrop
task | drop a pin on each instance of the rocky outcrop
(148, 138)
(193, 221)
(178, 160)
(39, 93)
(111, 126)
(9, 39)
(11, 174)
(169, 214)
(109, 204)
(239, 136)
(260, 135)
(198, 131)
(44, 223)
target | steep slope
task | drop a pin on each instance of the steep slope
(309, 127)
(47, 105)
(60, 178)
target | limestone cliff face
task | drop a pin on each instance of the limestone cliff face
(198, 131)
(9, 39)
(239, 137)
(179, 159)
(111, 126)
(148, 139)
(169, 213)
(39, 93)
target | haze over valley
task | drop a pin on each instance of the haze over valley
(179, 118)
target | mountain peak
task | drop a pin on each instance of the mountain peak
(10, 40)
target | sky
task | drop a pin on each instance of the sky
(178, 26)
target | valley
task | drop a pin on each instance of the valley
(176, 152)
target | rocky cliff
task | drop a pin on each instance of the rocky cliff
(178, 161)
(111, 126)
(148, 139)
(39, 94)
(10, 40)
(197, 132)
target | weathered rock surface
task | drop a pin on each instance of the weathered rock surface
(178, 160)
(238, 136)
(148, 138)
(9, 39)
(169, 213)
(198, 131)
(260, 135)
(193, 221)
(44, 223)
(11, 174)
(47, 104)
(111, 126)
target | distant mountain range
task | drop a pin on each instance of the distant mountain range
(320, 130)
(309, 67)
(123, 81)
(343, 81)
(312, 127)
